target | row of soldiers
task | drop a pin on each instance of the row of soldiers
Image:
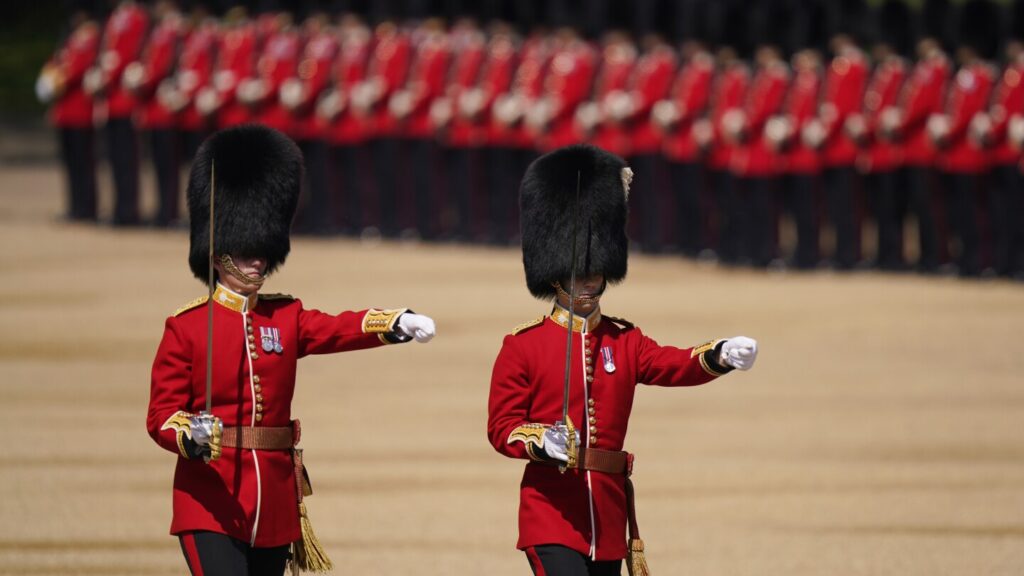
(424, 129)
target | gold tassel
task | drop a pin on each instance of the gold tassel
(309, 554)
(636, 564)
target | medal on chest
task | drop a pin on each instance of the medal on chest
(607, 359)
(271, 339)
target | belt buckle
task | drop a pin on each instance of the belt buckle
(629, 465)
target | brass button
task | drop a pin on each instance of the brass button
(252, 346)
(259, 397)
(590, 360)
(593, 431)
(590, 369)
(259, 417)
(590, 402)
(593, 420)
(588, 351)
(259, 407)
(258, 388)
(248, 328)
(591, 411)
(251, 337)
(590, 379)
(254, 356)
(256, 378)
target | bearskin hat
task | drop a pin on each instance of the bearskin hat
(547, 199)
(257, 178)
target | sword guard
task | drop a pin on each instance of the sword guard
(571, 446)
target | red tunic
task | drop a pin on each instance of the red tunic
(527, 87)
(314, 75)
(968, 97)
(617, 63)
(425, 83)
(843, 94)
(158, 60)
(123, 39)
(236, 60)
(801, 108)
(347, 127)
(249, 495)
(754, 157)
(278, 63)
(729, 91)
(388, 69)
(195, 70)
(496, 80)
(881, 154)
(920, 98)
(566, 85)
(470, 54)
(73, 108)
(583, 510)
(1007, 100)
(691, 92)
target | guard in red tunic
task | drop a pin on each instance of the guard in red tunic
(71, 112)
(236, 60)
(193, 71)
(153, 116)
(239, 483)
(551, 118)
(123, 40)
(576, 496)
(728, 92)
(675, 118)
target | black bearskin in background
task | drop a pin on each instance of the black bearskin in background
(258, 177)
(546, 197)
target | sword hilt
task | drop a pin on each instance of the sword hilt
(572, 450)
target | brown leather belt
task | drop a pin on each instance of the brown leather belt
(607, 461)
(260, 437)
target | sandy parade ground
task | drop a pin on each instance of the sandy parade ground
(879, 434)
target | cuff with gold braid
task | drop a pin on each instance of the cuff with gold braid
(198, 436)
(384, 323)
(532, 436)
(708, 354)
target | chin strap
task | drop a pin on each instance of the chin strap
(580, 300)
(230, 268)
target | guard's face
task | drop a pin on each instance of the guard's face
(587, 293)
(253, 267)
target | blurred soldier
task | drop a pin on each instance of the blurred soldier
(277, 63)
(551, 118)
(800, 160)
(410, 109)
(675, 118)
(921, 96)
(593, 121)
(455, 118)
(239, 483)
(345, 130)
(298, 96)
(879, 157)
(388, 69)
(990, 130)
(61, 83)
(123, 38)
(574, 523)
(843, 94)
(236, 61)
(153, 116)
(962, 161)
(727, 99)
(752, 215)
(193, 72)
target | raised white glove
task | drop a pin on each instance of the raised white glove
(206, 432)
(555, 440)
(738, 352)
(416, 326)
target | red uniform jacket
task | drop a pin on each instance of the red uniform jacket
(278, 63)
(968, 97)
(527, 87)
(195, 70)
(469, 55)
(844, 92)
(920, 98)
(389, 68)
(612, 79)
(426, 82)
(881, 154)
(583, 510)
(650, 82)
(691, 92)
(347, 128)
(158, 60)
(801, 108)
(499, 69)
(123, 39)
(236, 60)
(729, 92)
(755, 157)
(247, 494)
(567, 84)
(1007, 100)
(73, 108)
(314, 75)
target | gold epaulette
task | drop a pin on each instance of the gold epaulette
(193, 304)
(624, 324)
(527, 325)
(276, 297)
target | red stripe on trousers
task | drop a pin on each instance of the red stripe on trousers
(193, 554)
(538, 568)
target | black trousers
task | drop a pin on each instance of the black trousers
(348, 182)
(752, 221)
(686, 189)
(190, 142)
(78, 154)
(462, 169)
(554, 560)
(315, 205)
(212, 554)
(122, 149)
(962, 215)
(1007, 220)
(890, 207)
(382, 209)
(425, 186)
(799, 198)
(647, 193)
(838, 182)
(920, 184)
(164, 149)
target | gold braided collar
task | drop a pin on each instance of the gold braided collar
(579, 324)
(233, 300)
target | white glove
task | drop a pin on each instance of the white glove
(555, 439)
(416, 326)
(738, 352)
